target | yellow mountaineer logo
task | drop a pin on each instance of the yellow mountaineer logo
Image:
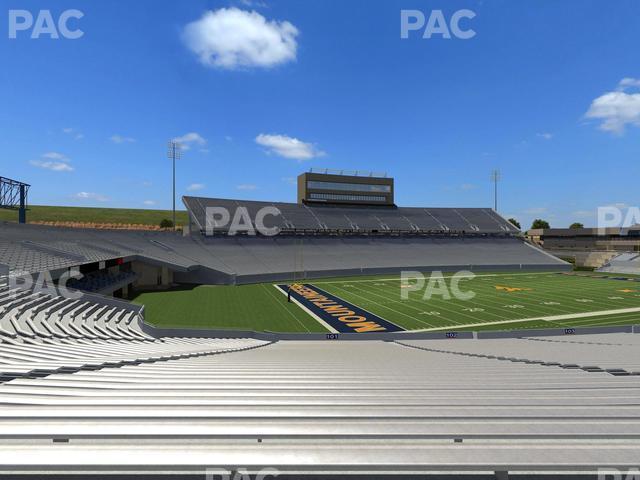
(511, 289)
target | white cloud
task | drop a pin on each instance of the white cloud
(91, 196)
(231, 38)
(254, 3)
(288, 147)
(584, 213)
(246, 186)
(535, 210)
(617, 109)
(228, 138)
(194, 187)
(55, 156)
(74, 133)
(191, 138)
(147, 183)
(55, 166)
(629, 83)
(120, 139)
(467, 186)
(149, 202)
(545, 135)
(53, 161)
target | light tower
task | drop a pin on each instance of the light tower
(174, 153)
(495, 178)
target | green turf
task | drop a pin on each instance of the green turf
(262, 307)
(248, 307)
(40, 213)
(543, 295)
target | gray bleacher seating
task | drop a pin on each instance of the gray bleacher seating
(359, 219)
(625, 263)
(314, 408)
(244, 259)
(102, 281)
(46, 333)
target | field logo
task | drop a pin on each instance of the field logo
(614, 217)
(615, 474)
(436, 24)
(241, 221)
(241, 474)
(512, 289)
(413, 281)
(336, 313)
(44, 24)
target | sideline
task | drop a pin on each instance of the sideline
(551, 318)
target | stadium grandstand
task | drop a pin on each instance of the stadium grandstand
(624, 263)
(161, 258)
(88, 387)
(336, 240)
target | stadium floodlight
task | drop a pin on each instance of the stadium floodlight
(496, 176)
(174, 153)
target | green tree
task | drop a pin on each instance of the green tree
(166, 223)
(514, 222)
(576, 225)
(539, 223)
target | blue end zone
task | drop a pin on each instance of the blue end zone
(343, 316)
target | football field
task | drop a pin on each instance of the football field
(501, 301)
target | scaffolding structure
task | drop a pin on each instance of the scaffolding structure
(13, 196)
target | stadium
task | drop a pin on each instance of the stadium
(319, 240)
(283, 344)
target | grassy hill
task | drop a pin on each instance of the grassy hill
(40, 213)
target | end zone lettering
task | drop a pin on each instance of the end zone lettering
(339, 314)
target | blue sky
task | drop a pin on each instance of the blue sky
(538, 92)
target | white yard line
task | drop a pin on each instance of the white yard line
(551, 318)
(285, 309)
